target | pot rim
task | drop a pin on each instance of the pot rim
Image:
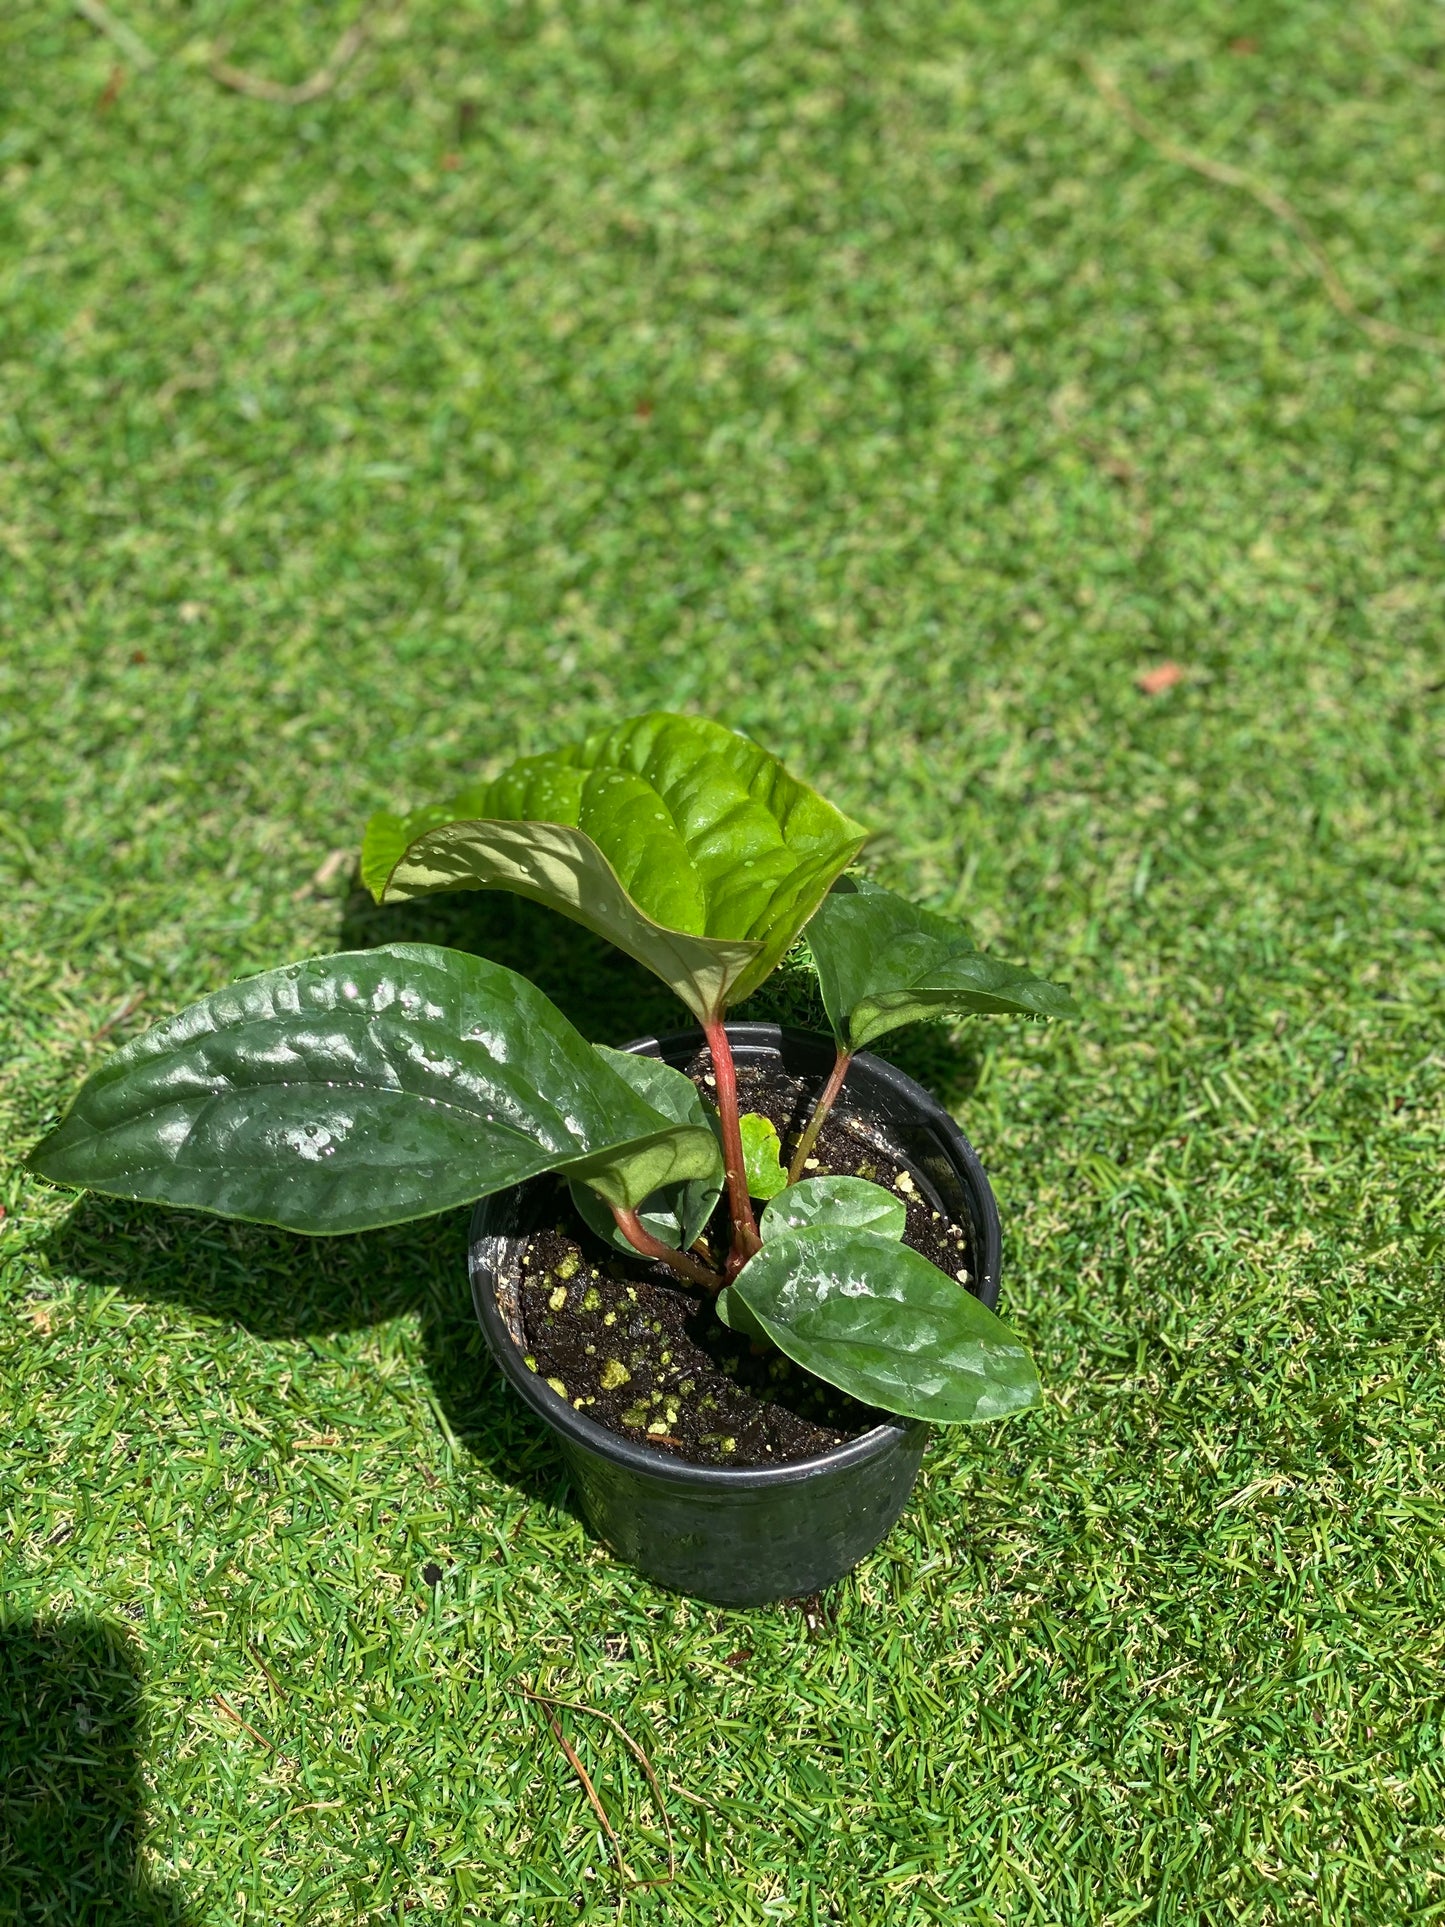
(652, 1461)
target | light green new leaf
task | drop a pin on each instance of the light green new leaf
(838, 1201)
(762, 1156)
(883, 961)
(680, 841)
(869, 1315)
(678, 1212)
(365, 1089)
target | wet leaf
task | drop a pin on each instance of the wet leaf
(365, 1089)
(734, 1313)
(837, 1201)
(873, 1317)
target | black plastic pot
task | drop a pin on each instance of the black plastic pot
(745, 1536)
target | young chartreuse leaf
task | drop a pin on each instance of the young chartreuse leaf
(873, 1317)
(762, 1156)
(680, 841)
(678, 1212)
(361, 1090)
(883, 961)
(838, 1201)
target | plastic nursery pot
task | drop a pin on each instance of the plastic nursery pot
(743, 1536)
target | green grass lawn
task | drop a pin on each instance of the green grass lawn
(851, 372)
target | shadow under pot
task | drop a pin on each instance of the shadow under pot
(746, 1535)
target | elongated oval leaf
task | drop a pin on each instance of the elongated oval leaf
(682, 842)
(883, 961)
(762, 1156)
(853, 1202)
(361, 1090)
(872, 1316)
(678, 1212)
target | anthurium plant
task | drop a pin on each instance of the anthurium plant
(364, 1089)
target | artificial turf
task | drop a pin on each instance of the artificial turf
(855, 374)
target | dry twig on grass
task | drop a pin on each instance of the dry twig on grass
(258, 87)
(1274, 202)
(126, 38)
(227, 1708)
(548, 1703)
(239, 79)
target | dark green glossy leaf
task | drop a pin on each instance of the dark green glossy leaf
(678, 1212)
(762, 1156)
(869, 1315)
(839, 1201)
(678, 840)
(361, 1090)
(883, 961)
(734, 1313)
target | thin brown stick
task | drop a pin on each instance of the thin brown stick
(127, 1009)
(1274, 202)
(126, 38)
(587, 1786)
(258, 87)
(226, 1707)
(275, 1683)
(577, 1706)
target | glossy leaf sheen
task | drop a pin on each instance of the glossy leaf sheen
(762, 1156)
(838, 1201)
(680, 841)
(734, 1313)
(360, 1090)
(872, 1316)
(678, 1212)
(883, 961)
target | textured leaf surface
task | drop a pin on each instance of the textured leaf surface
(869, 1315)
(682, 842)
(837, 1201)
(360, 1090)
(883, 961)
(678, 1212)
(762, 1156)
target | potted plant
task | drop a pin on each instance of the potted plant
(737, 1273)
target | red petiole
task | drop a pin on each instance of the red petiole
(745, 1231)
(682, 1262)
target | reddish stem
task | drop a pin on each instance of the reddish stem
(745, 1231)
(820, 1112)
(641, 1239)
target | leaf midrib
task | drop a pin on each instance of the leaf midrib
(238, 1031)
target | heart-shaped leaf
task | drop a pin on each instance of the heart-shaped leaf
(762, 1156)
(680, 841)
(678, 1212)
(883, 961)
(872, 1316)
(840, 1201)
(362, 1090)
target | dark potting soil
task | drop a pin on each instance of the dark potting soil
(645, 1355)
